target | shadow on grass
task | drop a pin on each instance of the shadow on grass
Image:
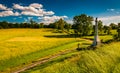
(89, 39)
(63, 36)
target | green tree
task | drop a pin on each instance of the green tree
(61, 24)
(107, 29)
(4, 24)
(100, 26)
(113, 26)
(118, 30)
(33, 24)
(83, 24)
(56, 25)
(41, 25)
(67, 26)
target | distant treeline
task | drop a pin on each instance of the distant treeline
(82, 25)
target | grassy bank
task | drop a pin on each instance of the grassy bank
(23, 46)
(102, 60)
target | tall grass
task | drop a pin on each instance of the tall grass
(105, 59)
(22, 46)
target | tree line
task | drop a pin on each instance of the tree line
(82, 25)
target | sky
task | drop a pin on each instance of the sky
(48, 11)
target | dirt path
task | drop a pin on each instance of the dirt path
(43, 60)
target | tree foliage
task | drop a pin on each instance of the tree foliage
(83, 24)
(100, 26)
(113, 26)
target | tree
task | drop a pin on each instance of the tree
(4, 24)
(33, 24)
(118, 30)
(107, 29)
(100, 26)
(61, 24)
(41, 25)
(56, 25)
(113, 26)
(67, 26)
(83, 24)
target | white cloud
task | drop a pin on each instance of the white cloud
(110, 19)
(69, 21)
(30, 13)
(8, 13)
(48, 13)
(16, 14)
(36, 5)
(34, 9)
(2, 7)
(25, 8)
(48, 19)
(52, 18)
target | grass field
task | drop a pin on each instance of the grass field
(22, 46)
(102, 60)
(19, 47)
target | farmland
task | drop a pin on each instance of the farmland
(22, 46)
(59, 36)
(103, 60)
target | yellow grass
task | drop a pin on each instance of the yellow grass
(15, 42)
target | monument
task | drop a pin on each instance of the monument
(96, 37)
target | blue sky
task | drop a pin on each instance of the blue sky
(48, 11)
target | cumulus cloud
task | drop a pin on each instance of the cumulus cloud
(69, 21)
(31, 10)
(36, 5)
(48, 19)
(110, 19)
(48, 13)
(8, 13)
(16, 14)
(2, 7)
(54, 17)
(34, 9)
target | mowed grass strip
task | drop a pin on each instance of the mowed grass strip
(105, 59)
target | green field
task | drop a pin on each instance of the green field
(20, 47)
(103, 60)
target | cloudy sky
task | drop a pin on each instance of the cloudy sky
(48, 11)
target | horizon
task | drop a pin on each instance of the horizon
(48, 11)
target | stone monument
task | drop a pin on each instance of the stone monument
(96, 37)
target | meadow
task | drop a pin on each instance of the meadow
(19, 47)
(105, 59)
